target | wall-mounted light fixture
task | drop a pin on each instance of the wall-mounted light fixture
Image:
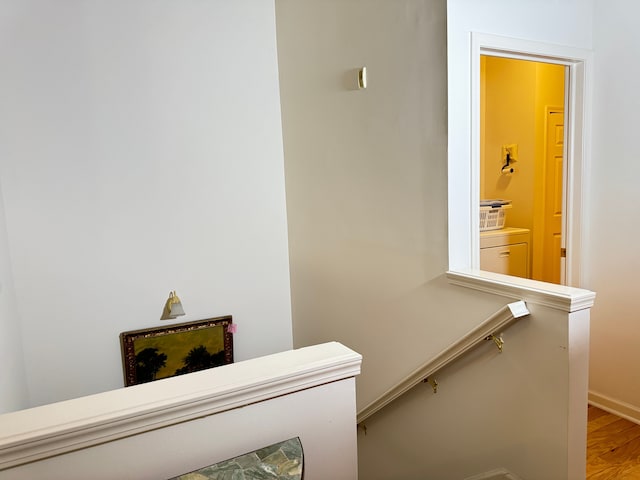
(362, 78)
(173, 307)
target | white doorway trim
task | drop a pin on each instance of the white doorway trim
(464, 198)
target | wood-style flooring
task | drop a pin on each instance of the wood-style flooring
(613, 447)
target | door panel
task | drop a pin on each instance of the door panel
(552, 236)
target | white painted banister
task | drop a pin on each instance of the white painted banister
(29, 436)
(490, 327)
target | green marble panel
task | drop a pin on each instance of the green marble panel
(281, 461)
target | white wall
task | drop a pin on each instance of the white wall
(13, 384)
(614, 225)
(366, 174)
(366, 183)
(562, 22)
(141, 153)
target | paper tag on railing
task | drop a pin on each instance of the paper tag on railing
(518, 309)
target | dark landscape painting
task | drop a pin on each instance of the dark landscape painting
(155, 353)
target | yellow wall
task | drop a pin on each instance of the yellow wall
(514, 96)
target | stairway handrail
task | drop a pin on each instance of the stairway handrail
(487, 329)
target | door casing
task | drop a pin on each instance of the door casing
(577, 122)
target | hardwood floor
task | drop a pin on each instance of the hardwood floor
(613, 447)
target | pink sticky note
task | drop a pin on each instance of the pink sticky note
(232, 328)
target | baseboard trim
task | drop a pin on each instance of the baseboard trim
(617, 407)
(497, 474)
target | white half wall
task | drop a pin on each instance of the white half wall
(486, 412)
(141, 153)
(166, 428)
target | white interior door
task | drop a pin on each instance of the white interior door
(553, 196)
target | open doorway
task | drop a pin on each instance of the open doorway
(522, 174)
(464, 154)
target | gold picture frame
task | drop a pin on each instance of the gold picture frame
(154, 353)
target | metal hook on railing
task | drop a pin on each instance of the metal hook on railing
(497, 339)
(432, 381)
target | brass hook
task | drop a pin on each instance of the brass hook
(434, 384)
(497, 339)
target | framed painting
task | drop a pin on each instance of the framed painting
(154, 353)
